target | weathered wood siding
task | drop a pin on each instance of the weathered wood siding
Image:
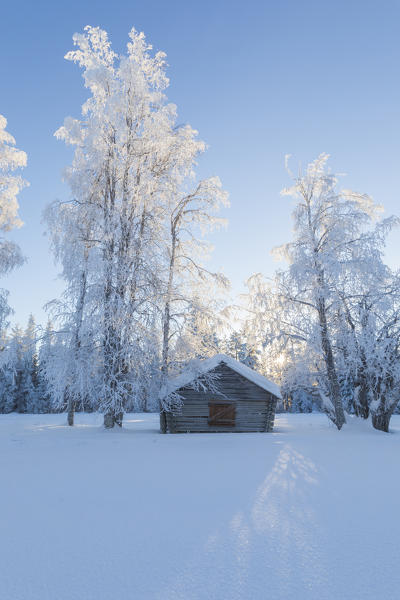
(255, 407)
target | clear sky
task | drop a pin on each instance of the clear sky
(258, 79)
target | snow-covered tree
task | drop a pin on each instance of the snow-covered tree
(240, 345)
(14, 372)
(201, 335)
(11, 159)
(30, 377)
(129, 174)
(368, 343)
(302, 311)
(19, 376)
(72, 375)
(188, 282)
(123, 147)
(49, 388)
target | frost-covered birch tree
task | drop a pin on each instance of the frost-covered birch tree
(130, 159)
(11, 160)
(333, 240)
(123, 151)
(368, 343)
(188, 282)
(382, 356)
(73, 372)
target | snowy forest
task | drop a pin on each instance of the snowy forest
(140, 303)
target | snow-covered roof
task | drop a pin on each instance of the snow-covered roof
(200, 367)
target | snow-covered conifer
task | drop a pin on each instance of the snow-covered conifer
(30, 377)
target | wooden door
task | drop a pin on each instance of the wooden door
(221, 414)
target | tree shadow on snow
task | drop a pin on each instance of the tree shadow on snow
(270, 549)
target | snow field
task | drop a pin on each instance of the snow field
(304, 513)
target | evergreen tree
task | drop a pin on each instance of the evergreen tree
(30, 368)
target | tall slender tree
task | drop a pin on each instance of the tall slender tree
(185, 272)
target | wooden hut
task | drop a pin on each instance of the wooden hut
(220, 394)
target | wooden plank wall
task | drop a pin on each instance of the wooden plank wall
(255, 407)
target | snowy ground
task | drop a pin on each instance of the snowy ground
(303, 513)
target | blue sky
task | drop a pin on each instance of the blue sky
(258, 79)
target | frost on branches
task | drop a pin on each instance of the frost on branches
(128, 239)
(11, 159)
(332, 318)
(187, 309)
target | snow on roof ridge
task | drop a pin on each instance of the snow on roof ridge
(200, 367)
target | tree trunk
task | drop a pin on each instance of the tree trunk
(340, 419)
(166, 325)
(112, 335)
(146, 402)
(167, 308)
(381, 421)
(109, 420)
(321, 288)
(77, 341)
(333, 381)
(361, 408)
(71, 412)
(163, 422)
(386, 407)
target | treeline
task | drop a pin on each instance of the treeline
(31, 355)
(23, 385)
